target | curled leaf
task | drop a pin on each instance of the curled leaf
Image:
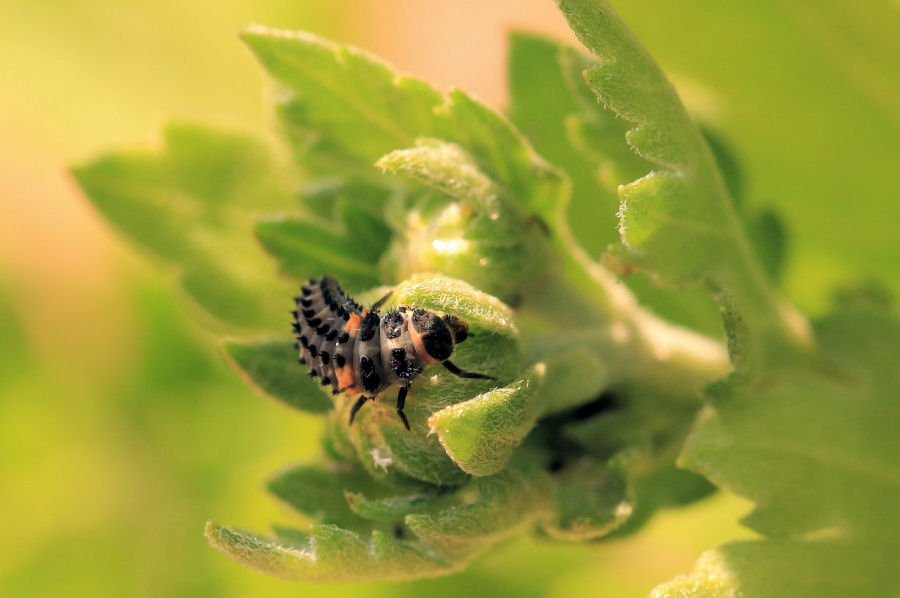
(481, 433)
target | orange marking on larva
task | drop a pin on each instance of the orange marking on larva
(352, 324)
(352, 391)
(345, 380)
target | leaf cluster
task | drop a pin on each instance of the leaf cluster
(509, 222)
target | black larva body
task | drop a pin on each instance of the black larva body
(363, 352)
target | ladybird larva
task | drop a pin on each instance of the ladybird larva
(363, 352)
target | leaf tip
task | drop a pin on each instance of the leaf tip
(216, 534)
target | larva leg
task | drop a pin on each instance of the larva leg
(464, 374)
(359, 403)
(401, 402)
(380, 302)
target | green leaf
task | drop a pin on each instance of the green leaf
(678, 221)
(455, 530)
(360, 109)
(451, 170)
(770, 241)
(318, 492)
(764, 228)
(777, 568)
(191, 204)
(480, 434)
(336, 198)
(814, 451)
(479, 234)
(393, 508)
(271, 368)
(817, 453)
(591, 501)
(306, 249)
(355, 102)
(663, 486)
(493, 507)
(573, 376)
(541, 112)
(328, 553)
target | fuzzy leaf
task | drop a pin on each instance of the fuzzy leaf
(817, 453)
(449, 169)
(591, 500)
(361, 109)
(481, 433)
(327, 553)
(572, 377)
(561, 117)
(553, 114)
(392, 508)
(445, 538)
(777, 568)
(480, 232)
(306, 249)
(191, 204)
(270, 367)
(678, 221)
(494, 506)
(318, 491)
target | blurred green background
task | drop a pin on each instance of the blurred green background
(122, 432)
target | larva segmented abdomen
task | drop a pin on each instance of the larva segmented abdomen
(356, 351)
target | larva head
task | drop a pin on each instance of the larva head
(458, 328)
(438, 335)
